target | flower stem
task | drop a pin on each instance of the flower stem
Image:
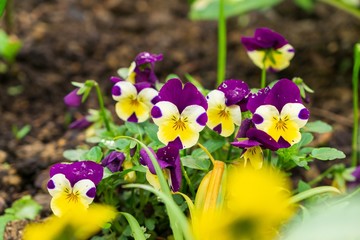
(188, 181)
(263, 77)
(355, 82)
(102, 107)
(221, 43)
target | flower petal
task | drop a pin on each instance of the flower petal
(297, 112)
(123, 90)
(58, 184)
(235, 91)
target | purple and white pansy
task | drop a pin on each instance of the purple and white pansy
(142, 69)
(169, 160)
(268, 49)
(223, 110)
(180, 114)
(134, 102)
(73, 185)
(279, 112)
(253, 140)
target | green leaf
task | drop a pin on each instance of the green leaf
(313, 192)
(75, 154)
(171, 76)
(95, 154)
(303, 186)
(306, 138)
(307, 5)
(9, 46)
(327, 153)
(150, 224)
(134, 128)
(151, 131)
(209, 9)
(24, 208)
(196, 163)
(2, 9)
(318, 127)
(20, 134)
(122, 144)
(136, 230)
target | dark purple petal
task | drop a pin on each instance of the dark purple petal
(145, 160)
(133, 118)
(176, 143)
(304, 114)
(174, 92)
(262, 137)
(283, 92)
(133, 151)
(91, 193)
(257, 119)
(255, 100)
(77, 171)
(246, 143)
(244, 127)
(218, 128)
(50, 184)
(116, 91)
(356, 173)
(141, 85)
(176, 175)
(202, 119)
(168, 155)
(73, 99)
(115, 79)
(113, 161)
(234, 90)
(282, 143)
(264, 38)
(145, 57)
(82, 123)
(156, 112)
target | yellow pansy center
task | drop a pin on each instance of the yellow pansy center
(224, 113)
(71, 196)
(179, 123)
(281, 123)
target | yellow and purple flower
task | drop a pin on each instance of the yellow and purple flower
(224, 111)
(268, 49)
(180, 114)
(134, 102)
(279, 112)
(169, 160)
(73, 185)
(142, 69)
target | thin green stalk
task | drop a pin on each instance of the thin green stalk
(322, 175)
(102, 107)
(263, 77)
(221, 43)
(355, 82)
(188, 181)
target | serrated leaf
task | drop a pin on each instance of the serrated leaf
(196, 163)
(94, 154)
(75, 154)
(327, 153)
(318, 127)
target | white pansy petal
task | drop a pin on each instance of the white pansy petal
(297, 113)
(257, 57)
(263, 117)
(235, 113)
(147, 95)
(215, 99)
(163, 111)
(58, 184)
(123, 90)
(85, 189)
(196, 117)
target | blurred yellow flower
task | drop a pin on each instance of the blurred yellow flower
(77, 225)
(256, 204)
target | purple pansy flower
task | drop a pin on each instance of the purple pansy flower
(113, 161)
(73, 99)
(168, 158)
(224, 111)
(73, 185)
(81, 123)
(134, 102)
(142, 69)
(279, 112)
(180, 114)
(268, 49)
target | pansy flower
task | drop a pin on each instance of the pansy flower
(134, 102)
(279, 112)
(268, 49)
(253, 141)
(169, 159)
(180, 114)
(142, 69)
(113, 161)
(73, 99)
(81, 123)
(73, 185)
(223, 111)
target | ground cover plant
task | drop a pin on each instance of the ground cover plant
(184, 157)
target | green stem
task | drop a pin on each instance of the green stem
(355, 81)
(343, 6)
(263, 77)
(221, 44)
(322, 175)
(188, 181)
(102, 107)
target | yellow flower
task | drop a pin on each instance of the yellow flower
(78, 224)
(255, 205)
